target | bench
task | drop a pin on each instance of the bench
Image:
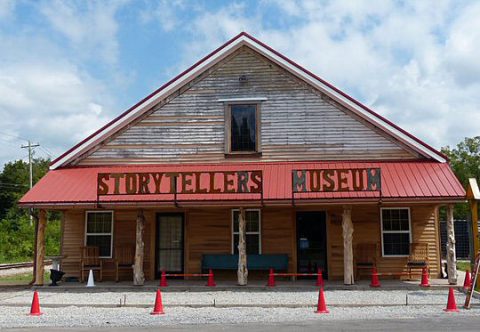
(278, 262)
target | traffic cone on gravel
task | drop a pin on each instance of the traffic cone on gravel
(319, 278)
(163, 280)
(322, 305)
(158, 308)
(211, 280)
(467, 283)
(375, 282)
(271, 279)
(91, 280)
(424, 282)
(35, 309)
(451, 303)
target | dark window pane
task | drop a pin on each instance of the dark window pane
(252, 218)
(396, 243)
(395, 220)
(252, 244)
(99, 222)
(101, 241)
(243, 127)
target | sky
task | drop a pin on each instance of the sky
(68, 67)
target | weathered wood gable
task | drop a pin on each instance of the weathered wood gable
(297, 122)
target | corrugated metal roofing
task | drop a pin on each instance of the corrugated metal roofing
(400, 181)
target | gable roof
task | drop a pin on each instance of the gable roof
(219, 54)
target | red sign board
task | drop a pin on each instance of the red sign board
(336, 180)
(179, 183)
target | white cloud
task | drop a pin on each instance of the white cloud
(166, 12)
(409, 61)
(6, 8)
(91, 30)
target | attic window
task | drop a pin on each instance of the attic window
(242, 128)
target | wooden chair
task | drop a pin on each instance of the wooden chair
(365, 257)
(124, 258)
(418, 258)
(90, 260)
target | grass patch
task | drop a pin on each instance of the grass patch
(23, 278)
(463, 265)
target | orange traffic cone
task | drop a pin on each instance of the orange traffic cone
(375, 282)
(322, 305)
(319, 278)
(163, 280)
(158, 309)
(271, 279)
(35, 309)
(424, 282)
(451, 303)
(211, 280)
(467, 283)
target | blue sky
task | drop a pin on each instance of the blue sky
(67, 67)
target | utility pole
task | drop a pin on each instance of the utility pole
(30, 147)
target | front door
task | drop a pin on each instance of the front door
(311, 242)
(169, 255)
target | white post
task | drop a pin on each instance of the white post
(451, 255)
(242, 272)
(347, 227)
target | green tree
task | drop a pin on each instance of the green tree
(465, 162)
(16, 232)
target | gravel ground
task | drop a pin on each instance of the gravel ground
(232, 298)
(70, 312)
(77, 317)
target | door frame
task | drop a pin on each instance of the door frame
(157, 240)
(327, 239)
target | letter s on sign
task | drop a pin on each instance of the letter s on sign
(102, 186)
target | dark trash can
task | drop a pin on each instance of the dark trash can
(55, 276)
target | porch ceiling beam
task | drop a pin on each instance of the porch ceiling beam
(347, 227)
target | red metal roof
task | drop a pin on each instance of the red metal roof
(400, 181)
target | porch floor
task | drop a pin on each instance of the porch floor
(256, 285)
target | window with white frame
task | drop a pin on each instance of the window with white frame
(99, 231)
(396, 231)
(252, 231)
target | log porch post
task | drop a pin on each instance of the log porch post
(138, 275)
(242, 272)
(451, 256)
(40, 248)
(347, 227)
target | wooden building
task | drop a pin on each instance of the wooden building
(248, 138)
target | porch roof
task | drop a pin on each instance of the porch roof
(400, 181)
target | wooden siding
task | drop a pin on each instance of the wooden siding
(297, 122)
(123, 234)
(208, 230)
(366, 223)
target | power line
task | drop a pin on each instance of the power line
(15, 136)
(12, 184)
(30, 147)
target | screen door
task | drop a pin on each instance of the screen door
(169, 243)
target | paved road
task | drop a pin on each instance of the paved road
(448, 323)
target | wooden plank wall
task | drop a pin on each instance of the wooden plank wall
(297, 122)
(366, 223)
(208, 230)
(123, 234)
